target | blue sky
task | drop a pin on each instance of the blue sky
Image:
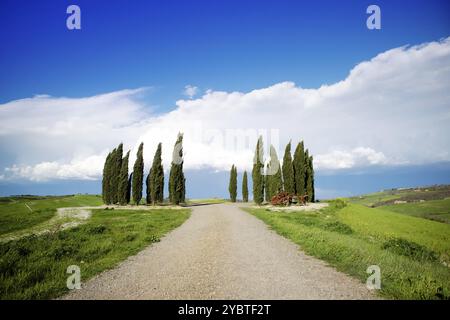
(223, 46)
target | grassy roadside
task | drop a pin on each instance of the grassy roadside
(35, 267)
(19, 213)
(411, 252)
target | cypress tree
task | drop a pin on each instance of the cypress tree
(116, 174)
(232, 187)
(311, 190)
(138, 175)
(257, 173)
(183, 190)
(177, 182)
(171, 183)
(156, 178)
(245, 187)
(306, 166)
(105, 179)
(299, 169)
(123, 181)
(116, 165)
(288, 170)
(267, 184)
(130, 179)
(111, 169)
(276, 182)
(148, 198)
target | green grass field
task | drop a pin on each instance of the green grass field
(191, 202)
(35, 267)
(413, 253)
(15, 213)
(438, 210)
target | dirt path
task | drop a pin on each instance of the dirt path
(222, 252)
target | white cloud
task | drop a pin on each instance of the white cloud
(392, 109)
(340, 159)
(87, 168)
(190, 91)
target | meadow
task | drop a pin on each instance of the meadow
(193, 202)
(34, 267)
(413, 253)
(23, 212)
(438, 210)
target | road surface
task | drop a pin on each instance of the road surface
(222, 252)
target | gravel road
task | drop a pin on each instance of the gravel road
(222, 252)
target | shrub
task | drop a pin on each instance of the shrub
(98, 229)
(339, 203)
(63, 250)
(410, 249)
(339, 227)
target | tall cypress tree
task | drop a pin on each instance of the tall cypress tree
(156, 178)
(257, 173)
(307, 172)
(105, 179)
(138, 175)
(232, 187)
(311, 190)
(123, 181)
(130, 179)
(111, 169)
(148, 198)
(299, 169)
(171, 183)
(288, 170)
(115, 177)
(177, 189)
(275, 181)
(267, 184)
(245, 187)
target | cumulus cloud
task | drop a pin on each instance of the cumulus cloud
(357, 157)
(87, 168)
(190, 91)
(393, 109)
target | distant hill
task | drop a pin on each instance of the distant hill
(431, 202)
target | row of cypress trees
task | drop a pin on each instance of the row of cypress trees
(296, 176)
(116, 185)
(120, 188)
(232, 186)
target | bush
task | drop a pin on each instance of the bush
(339, 203)
(410, 249)
(63, 249)
(98, 229)
(338, 227)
